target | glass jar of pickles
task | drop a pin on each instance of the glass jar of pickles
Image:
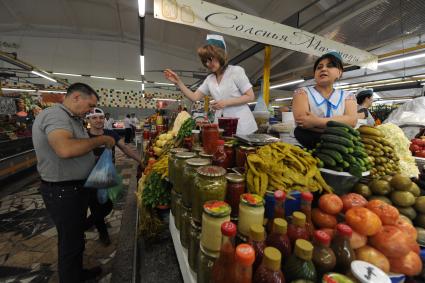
(178, 211)
(186, 215)
(173, 202)
(229, 149)
(210, 184)
(205, 265)
(235, 188)
(251, 211)
(171, 160)
(215, 214)
(194, 243)
(189, 174)
(180, 160)
(241, 154)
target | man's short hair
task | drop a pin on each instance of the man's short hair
(83, 88)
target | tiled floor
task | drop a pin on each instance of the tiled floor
(28, 239)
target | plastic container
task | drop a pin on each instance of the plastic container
(261, 117)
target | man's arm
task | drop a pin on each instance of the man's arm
(66, 146)
(128, 151)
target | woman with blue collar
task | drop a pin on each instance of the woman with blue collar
(314, 106)
(228, 85)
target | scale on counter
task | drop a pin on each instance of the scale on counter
(257, 139)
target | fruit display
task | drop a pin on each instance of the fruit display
(396, 137)
(381, 153)
(417, 147)
(282, 166)
(341, 150)
(380, 236)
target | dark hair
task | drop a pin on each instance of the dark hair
(335, 62)
(207, 52)
(361, 96)
(83, 88)
(128, 116)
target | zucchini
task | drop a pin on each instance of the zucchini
(366, 130)
(339, 124)
(339, 140)
(340, 148)
(339, 131)
(333, 153)
(327, 160)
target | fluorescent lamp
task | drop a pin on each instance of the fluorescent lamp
(141, 8)
(52, 91)
(252, 103)
(134, 81)
(142, 65)
(43, 76)
(411, 57)
(65, 74)
(103, 78)
(283, 99)
(18, 89)
(392, 100)
(286, 84)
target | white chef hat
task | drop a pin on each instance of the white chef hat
(216, 40)
(95, 112)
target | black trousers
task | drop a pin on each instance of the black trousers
(128, 133)
(307, 138)
(98, 212)
(67, 205)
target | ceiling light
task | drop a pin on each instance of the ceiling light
(286, 84)
(252, 103)
(103, 78)
(411, 57)
(65, 74)
(134, 81)
(43, 76)
(52, 91)
(392, 100)
(18, 89)
(142, 9)
(283, 99)
(142, 65)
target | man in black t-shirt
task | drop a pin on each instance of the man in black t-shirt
(99, 211)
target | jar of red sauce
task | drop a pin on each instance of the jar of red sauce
(210, 137)
(241, 154)
(229, 149)
(298, 229)
(235, 188)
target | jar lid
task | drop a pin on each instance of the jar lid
(366, 272)
(280, 226)
(307, 196)
(245, 147)
(220, 142)
(245, 254)
(280, 195)
(211, 171)
(228, 229)
(256, 231)
(205, 155)
(252, 199)
(217, 208)
(303, 249)
(196, 131)
(198, 161)
(197, 148)
(322, 237)
(210, 126)
(298, 218)
(185, 155)
(344, 230)
(178, 149)
(235, 178)
(272, 258)
(208, 252)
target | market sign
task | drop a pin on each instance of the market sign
(215, 18)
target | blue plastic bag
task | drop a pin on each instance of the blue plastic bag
(102, 196)
(104, 174)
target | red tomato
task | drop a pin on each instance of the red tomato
(353, 200)
(330, 203)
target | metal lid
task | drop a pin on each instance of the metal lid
(197, 148)
(185, 155)
(217, 208)
(211, 171)
(366, 272)
(205, 155)
(252, 200)
(235, 178)
(198, 162)
(178, 149)
(244, 147)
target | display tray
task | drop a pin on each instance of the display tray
(188, 275)
(257, 139)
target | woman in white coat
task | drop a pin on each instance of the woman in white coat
(228, 85)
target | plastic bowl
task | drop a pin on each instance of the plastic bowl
(261, 117)
(341, 182)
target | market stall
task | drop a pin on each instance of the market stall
(256, 209)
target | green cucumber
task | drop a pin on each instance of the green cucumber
(339, 131)
(340, 140)
(327, 160)
(333, 153)
(339, 124)
(340, 148)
